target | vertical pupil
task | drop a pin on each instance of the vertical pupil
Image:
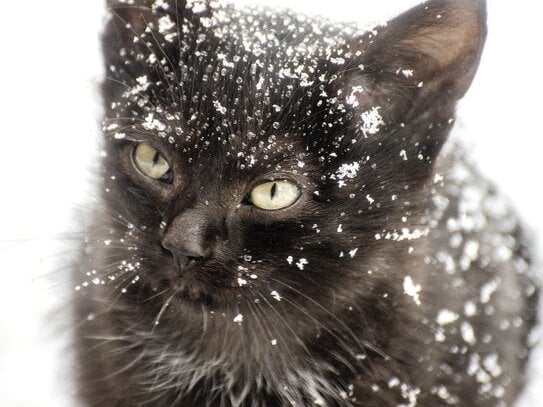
(273, 190)
(156, 158)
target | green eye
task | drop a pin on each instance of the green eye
(274, 195)
(150, 162)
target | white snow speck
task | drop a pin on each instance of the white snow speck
(197, 6)
(492, 365)
(151, 123)
(412, 289)
(348, 171)
(467, 333)
(394, 382)
(352, 99)
(446, 316)
(165, 24)
(276, 295)
(301, 263)
(371, 121)
(470, 309)
(160, 4)
(238, 318)
(488, 289)
(470, 254)
(218, 107)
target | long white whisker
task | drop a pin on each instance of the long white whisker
(162, 310)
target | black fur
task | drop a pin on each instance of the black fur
(399, 277)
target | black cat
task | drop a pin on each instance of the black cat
(281, 224)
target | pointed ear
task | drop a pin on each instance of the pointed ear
(417, 66)
(141, 47)
(129, 18)
(140, 44)
(124, 47)
(440, 41)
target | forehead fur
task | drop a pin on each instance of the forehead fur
(200, 74)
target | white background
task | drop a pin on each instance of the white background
(50, 69)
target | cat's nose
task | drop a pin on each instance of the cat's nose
(185, 239)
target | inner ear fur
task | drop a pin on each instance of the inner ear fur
(427, 54)
(440, 40)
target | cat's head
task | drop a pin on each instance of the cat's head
(260, 164)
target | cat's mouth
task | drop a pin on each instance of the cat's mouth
(191, 291)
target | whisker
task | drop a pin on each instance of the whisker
(286, 323)
(162, 309)
(279, 335)
(156, 295)
(365, 345)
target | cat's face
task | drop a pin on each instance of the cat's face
(259, 165)
(263, 201)
(256, 170)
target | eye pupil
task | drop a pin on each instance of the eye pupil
(156, 158)
(273, 190)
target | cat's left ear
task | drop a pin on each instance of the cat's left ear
(416, 67)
